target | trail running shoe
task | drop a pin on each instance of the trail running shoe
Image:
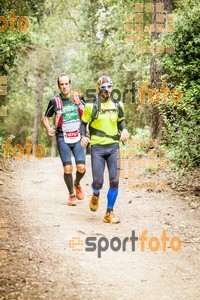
(94, 203)
(79, 192)
(110, 218)
(72, 200)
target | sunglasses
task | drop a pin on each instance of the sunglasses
(104, 87)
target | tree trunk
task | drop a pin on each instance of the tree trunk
(38, 106)
(53, 147)
(156, 120)
(53, 143)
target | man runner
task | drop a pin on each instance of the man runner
(104, 126)
(66, 129)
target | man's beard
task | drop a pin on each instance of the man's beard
(104, 94)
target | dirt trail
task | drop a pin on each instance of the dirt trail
(37, 225)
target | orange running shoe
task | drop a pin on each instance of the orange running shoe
(79, 192)
(110, 218)
(94, 203)
(72, 200)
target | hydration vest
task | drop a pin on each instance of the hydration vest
(59, 111)
(59, 114)
(95, 114)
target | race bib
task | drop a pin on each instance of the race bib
(71, 137)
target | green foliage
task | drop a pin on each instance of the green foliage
(2, 141)
(86, 39)
(139, 140)
(182, 132)
(102, 30)
(14, 47)
(14, 43)
(27, 8)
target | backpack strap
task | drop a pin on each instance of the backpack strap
(95, 113)
(119, 109)
(96, 109)
(59, 105)
(94, 131)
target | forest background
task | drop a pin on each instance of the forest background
(89, 38)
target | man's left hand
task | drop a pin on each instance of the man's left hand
(124, 135)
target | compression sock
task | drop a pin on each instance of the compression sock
(111, 197)
(95, 192)
(79, 176)
(69, 182)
